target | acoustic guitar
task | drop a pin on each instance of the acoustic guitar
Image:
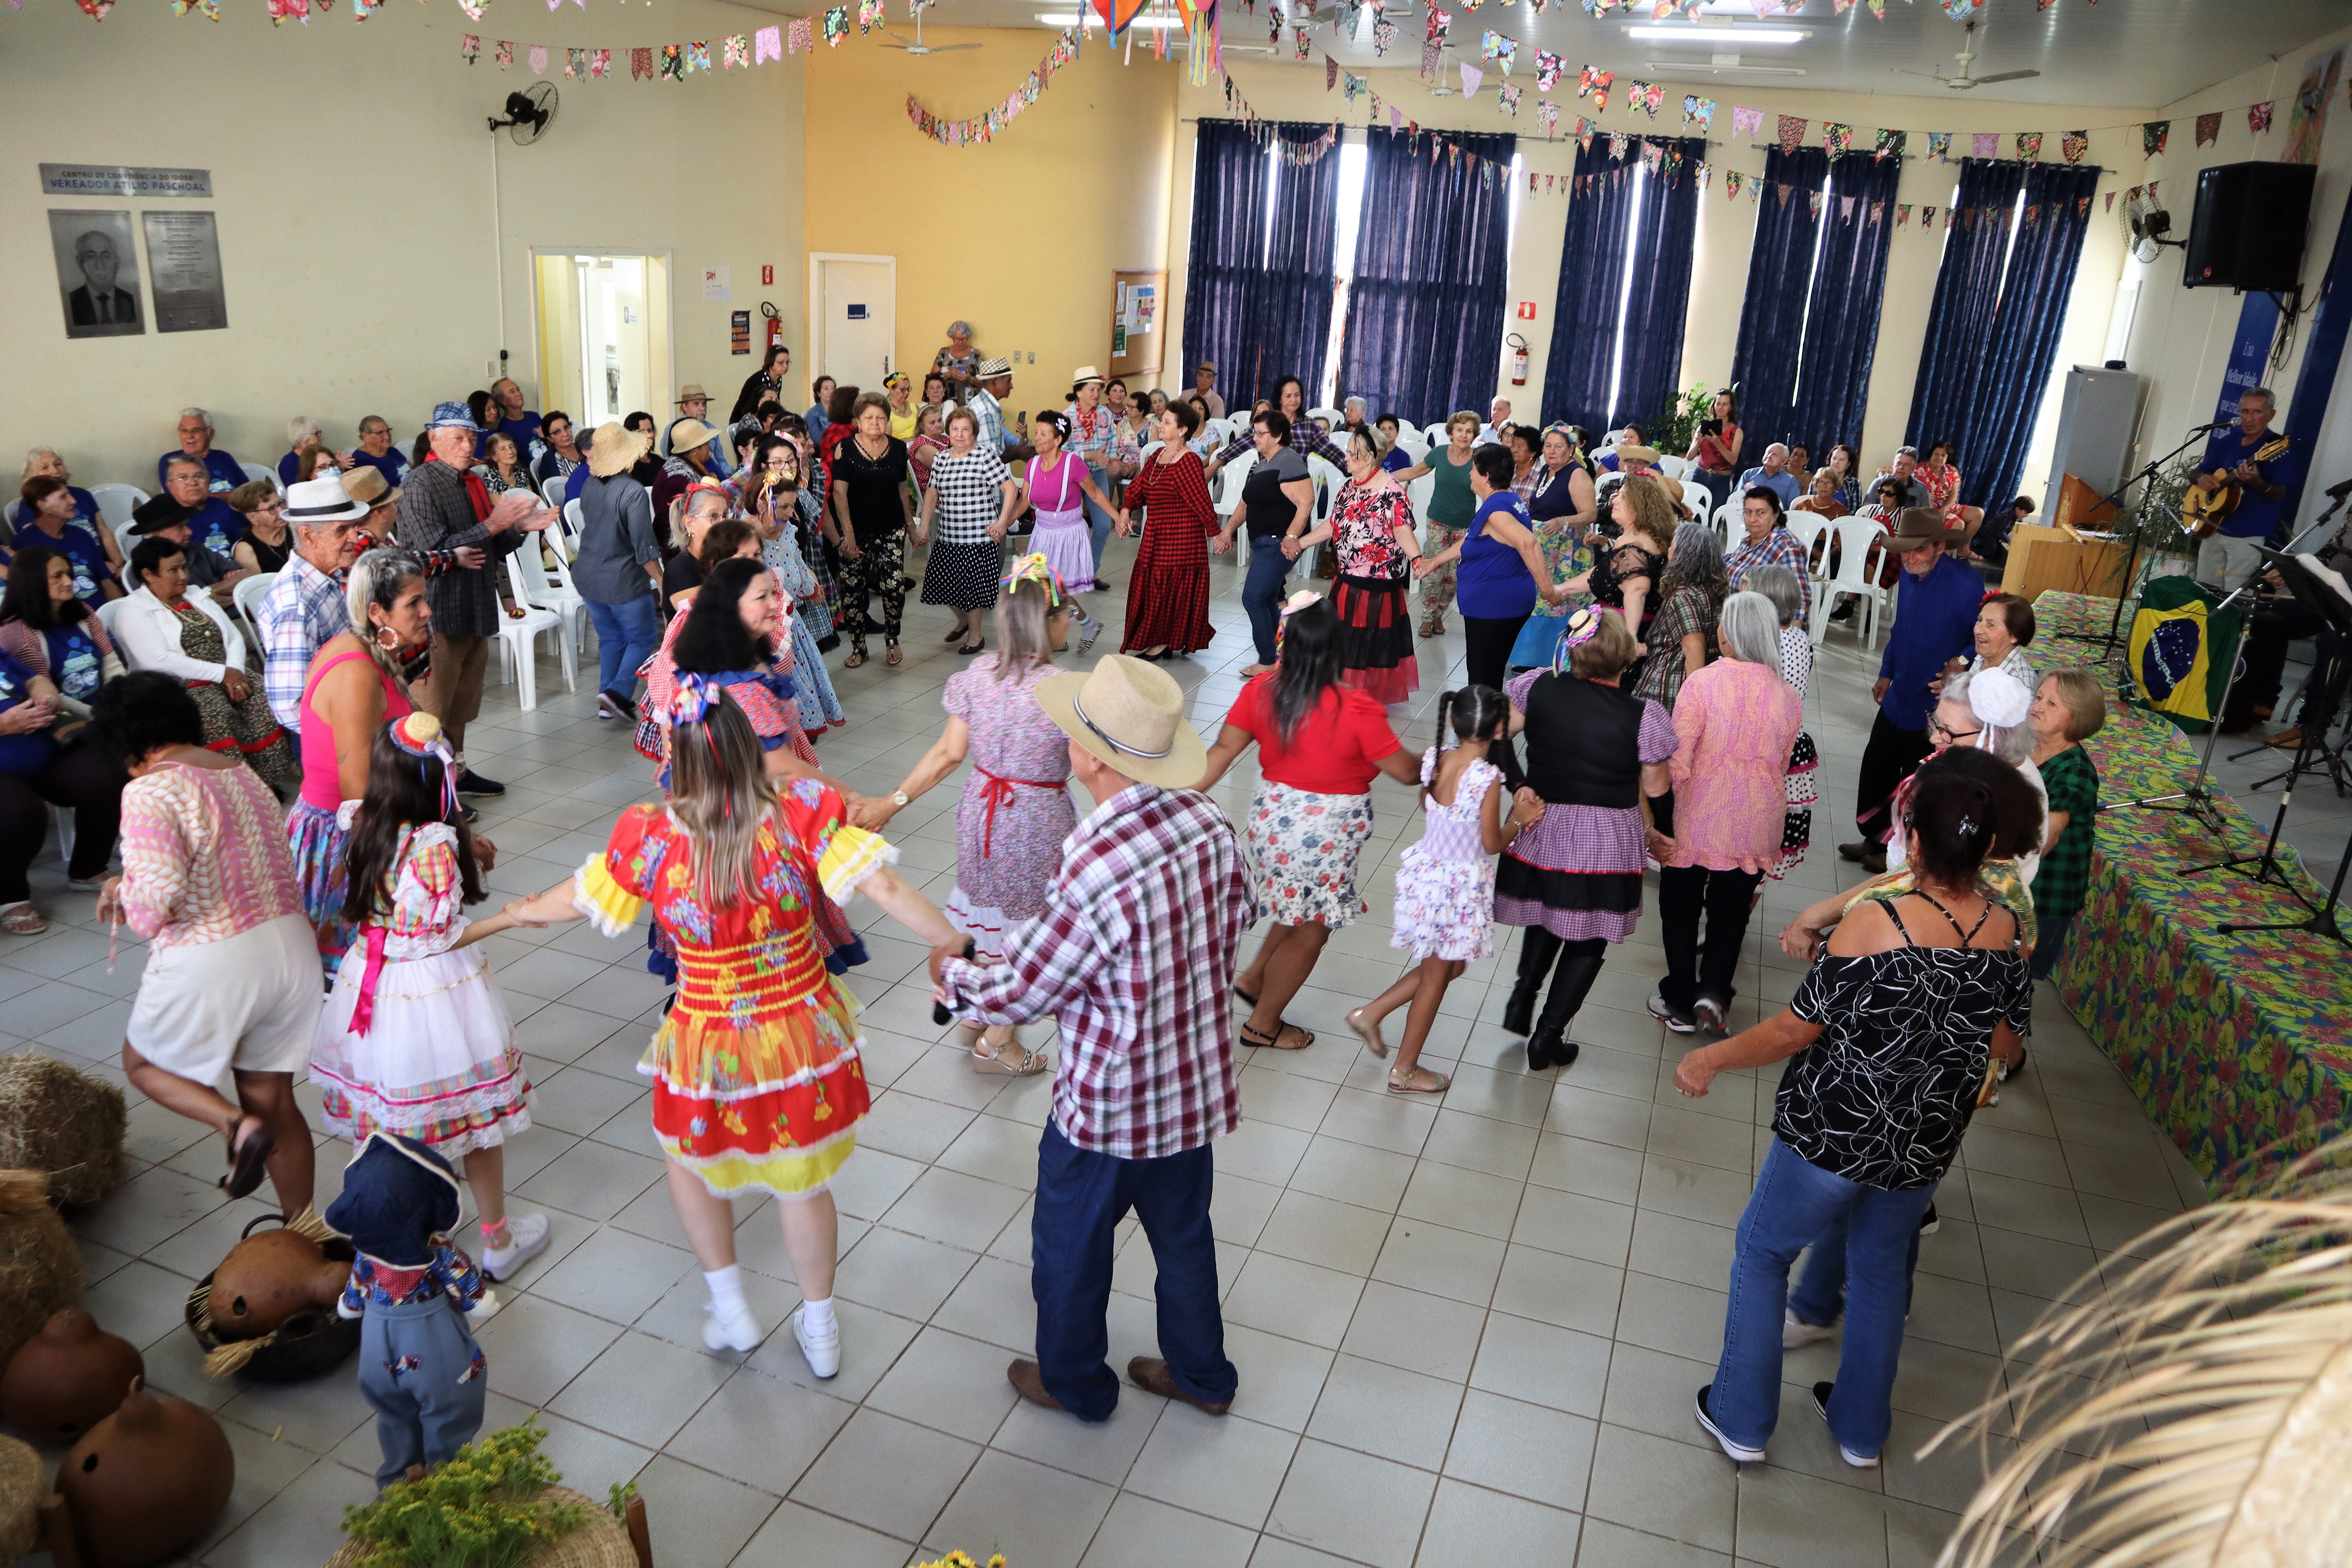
(2203, 512)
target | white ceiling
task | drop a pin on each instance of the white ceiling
(2140, 54)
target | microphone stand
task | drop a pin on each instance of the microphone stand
(2115, 638)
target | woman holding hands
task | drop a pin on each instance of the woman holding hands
(974, 499)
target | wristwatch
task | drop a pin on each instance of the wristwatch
(899, 797)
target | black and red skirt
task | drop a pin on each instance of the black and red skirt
(1376, 638)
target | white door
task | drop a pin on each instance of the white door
(857, 319)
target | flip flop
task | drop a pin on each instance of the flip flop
(1305, 1038)
(246, 1160)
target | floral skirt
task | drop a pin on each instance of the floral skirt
(317, 840)
(1303, 850)
(439, 1063)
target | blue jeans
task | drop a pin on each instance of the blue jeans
(626, 636)
(1261, 593)
(1795, 1202)
(1081, 1198)
(1099, 520)
(2050, 947)
(1820, 1296)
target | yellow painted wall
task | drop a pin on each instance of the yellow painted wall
(351, 175)
(1020, 235)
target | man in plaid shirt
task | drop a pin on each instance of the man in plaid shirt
(1134, 956)
(444, 505)
(1769, 544)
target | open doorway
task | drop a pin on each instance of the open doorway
(603, 333)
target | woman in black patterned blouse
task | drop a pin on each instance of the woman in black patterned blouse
(1888, 1042)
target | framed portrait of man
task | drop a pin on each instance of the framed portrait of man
(98, 274)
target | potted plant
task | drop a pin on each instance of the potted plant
(1674, 428)
(2153, 526)
(496, 1504)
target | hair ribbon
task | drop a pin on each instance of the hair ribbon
(1035, 568)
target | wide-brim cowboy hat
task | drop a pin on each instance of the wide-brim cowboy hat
(1916, 526)
(616, 449)
(685, 434)
(690, 392)
(1129, 714)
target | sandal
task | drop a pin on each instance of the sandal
(1305, 1038)
(1014, 1059)
(856, 657)
(22, 920)
(892, 656)
(246, 1160)
(1418, 1080)
(1244, 995)
(1368, 1031)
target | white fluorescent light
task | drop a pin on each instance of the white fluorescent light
(1692, 33)
(1146, 24)
(1706, 67)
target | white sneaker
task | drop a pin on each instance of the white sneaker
(484, 1309)
(823, 1353)
(527, 1234)
(1796, 1333)
(733, 1329)
(1737, 1453)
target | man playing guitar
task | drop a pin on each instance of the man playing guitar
(2255, 459)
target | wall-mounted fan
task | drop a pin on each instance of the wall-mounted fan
(528, 114)
(2147, 222)
(1961, 81)
(918, 48)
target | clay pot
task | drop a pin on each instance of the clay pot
(67, 1378)
(267, 1279)
(145, 1481)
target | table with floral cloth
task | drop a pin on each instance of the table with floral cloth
(2239, 1042)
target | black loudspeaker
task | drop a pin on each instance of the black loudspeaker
(2248, 230)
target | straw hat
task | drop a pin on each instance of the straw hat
(685, 434)
(365, 484)
(1129, 714)
(1083, 375)
(615, 449)
(1638, 455)
(990, 369)
(314, 502)
(690, 392)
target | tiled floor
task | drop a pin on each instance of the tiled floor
(1469, 1332)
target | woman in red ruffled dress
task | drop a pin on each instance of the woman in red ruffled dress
(1168, 595)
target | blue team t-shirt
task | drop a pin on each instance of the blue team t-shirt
(226, 473)
(31, 751)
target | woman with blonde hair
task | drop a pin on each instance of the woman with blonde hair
(1015, 810)
(758, 1085)
(1626, 571)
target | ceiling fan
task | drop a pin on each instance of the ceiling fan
(918, 48)
(1963, 81)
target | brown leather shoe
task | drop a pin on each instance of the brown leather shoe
(2288, 740)
(1149, 1374)
(1029, 1381)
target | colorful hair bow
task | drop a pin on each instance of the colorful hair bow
(419, 735)
(1291, 606)
(1035, 568)
(695, 696)
(1583, 627)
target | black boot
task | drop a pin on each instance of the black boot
(1549, 1047)
(1537, 948)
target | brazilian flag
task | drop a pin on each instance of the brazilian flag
(2181, 650)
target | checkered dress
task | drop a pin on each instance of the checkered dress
(965, 562)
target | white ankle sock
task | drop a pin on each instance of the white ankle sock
(726, 1286)
(816, 1317)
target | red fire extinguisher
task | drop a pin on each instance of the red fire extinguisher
(1519, 358)
(775, 322)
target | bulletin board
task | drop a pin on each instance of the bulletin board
(1138, 326)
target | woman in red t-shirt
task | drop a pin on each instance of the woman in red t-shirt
(1319, 742)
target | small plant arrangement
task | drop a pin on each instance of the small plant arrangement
(1674, 428)
(962, 1560)
(2155, 519)
(481, 1510)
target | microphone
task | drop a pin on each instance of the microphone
(2217, 424)
(2338, 492)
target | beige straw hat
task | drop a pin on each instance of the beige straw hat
(1129, 714)
(615, 449)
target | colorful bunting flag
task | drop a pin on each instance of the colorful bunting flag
(738, 52)
(1510, 100)
(1890, 144)
(698, 58)
(673, 61)
(1440, 23)
(641, 65)
(600, 64)
(1331, 73)
(1793, 134)
(1430, 60)
(800, 35)
(1384, 36)
(1645, 96)
(504, 53)
(1731, 182)
(2209, 128)
(1698, 114)
(1546, 116)
(1927, 217)
(1301, 45)
(1503, 51)
(1939, 146)
(1596, 82)
(1746, 122)
(2029, 146)
(1547, 68)
(2074, 144)
(1903, 215)
(2258, 116)
(1984, 143)
(1471, 78)
(2153, 135)
(539, 59)
(470, 48)
(767, 44)
(1837, 139)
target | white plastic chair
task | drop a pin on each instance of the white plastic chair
(1676, 467)
(539, 592)
(1861, 552)
(246, 597)
(1436, 434)
(1419, 493)
(517, 642)
(255, 471)
(1230, 480)
(1698, 497)
(106, 614)
(1415, 445)
(1808, 529)
(1149, 449)
(8, 514)
(117, 503)
(1730, 523)
(552, 490)
(575, 519)
(1332, 416)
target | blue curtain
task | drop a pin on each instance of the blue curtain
(1952, 361)
(1663, 245)
(1849, 286)
(1592, 282)
(1290, 317)
(2024, 345)
(1424, 328)
(1771, 317)
(1229, 194)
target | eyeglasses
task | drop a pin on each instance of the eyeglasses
(1937, 726)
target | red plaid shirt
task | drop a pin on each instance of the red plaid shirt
(1135, 955)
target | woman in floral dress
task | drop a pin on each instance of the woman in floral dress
(1168, 597)
(1016, 809)
(1371, 522)
(1561, 506)
(758, 1088)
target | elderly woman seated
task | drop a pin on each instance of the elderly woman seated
(162, 626)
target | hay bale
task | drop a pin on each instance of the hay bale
(64, 1122)
(40, 1273)
(20, 1498)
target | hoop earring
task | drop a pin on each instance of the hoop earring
(391, 646)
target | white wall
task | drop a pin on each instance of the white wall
(351, 172)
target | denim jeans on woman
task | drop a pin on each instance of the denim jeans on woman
(1262, 591)
(1793, 1203)
(626, 636)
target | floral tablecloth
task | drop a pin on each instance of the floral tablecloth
(2240, 1043)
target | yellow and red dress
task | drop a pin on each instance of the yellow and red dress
(757, 1083)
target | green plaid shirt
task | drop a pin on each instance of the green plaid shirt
(2063, 882)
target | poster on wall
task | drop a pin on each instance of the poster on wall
(1143, 306)
(183, 270)
(2306, 119)
(719, 283)
(2250, 352)
(98, 273)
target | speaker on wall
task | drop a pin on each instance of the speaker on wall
(2248, 230)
